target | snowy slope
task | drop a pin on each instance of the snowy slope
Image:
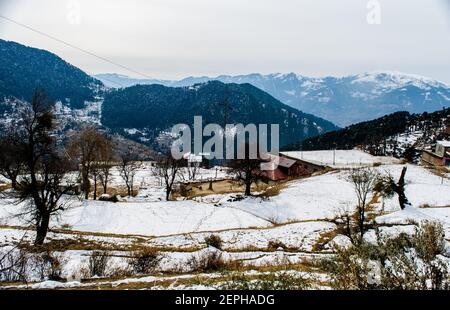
(316, 198)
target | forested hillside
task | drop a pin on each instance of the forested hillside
(389, 135)
(156, 108)
(23, 69)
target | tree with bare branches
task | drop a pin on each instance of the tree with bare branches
(43, 182)
(105, 173)
(246, 170)
(86, 147)
(11, 156)
(128, 167)
(100, 168)
(363, 181)
(193, 168)
(168, 169)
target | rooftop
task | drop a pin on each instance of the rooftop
(340, 158)
(444, 143)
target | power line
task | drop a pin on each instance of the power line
(75, 47)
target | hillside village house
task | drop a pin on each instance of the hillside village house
(304, 163)
(286, 168)
(440, 156)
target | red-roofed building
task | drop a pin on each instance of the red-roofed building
(440, 156)
(281, 168)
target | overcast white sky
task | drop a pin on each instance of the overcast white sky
(178, 38)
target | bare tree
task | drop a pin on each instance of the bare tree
(86, 147)
(95, 171)
(167, 169)
(13, 262)
(41, 185)
(346, 220)
(128, 168)
(193, 168)
(11, 156)
(104, 174)
(100, 168)
(246, 170)
(363, 181)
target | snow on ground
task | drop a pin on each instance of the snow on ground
(422, 187)
(319, 197)
(151, 219)
(409, 138)
(341, 158)
(325, 196)
(9, 236)
(316, 198)
(428, 194)
(155, 219)
(300, 236)
(297, 217)
(151, 188)
(416, 215)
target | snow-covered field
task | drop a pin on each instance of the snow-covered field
(300, 218)
(341, 158)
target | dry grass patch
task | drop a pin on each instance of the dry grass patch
(5, 186)
(428, 206)
(80, 243)
(273, 190)
(324, 239)
(227, 186)
(120, 190)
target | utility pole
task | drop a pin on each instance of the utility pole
(334, 155)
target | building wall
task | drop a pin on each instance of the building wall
(429, 158)
(440, 150)
(304, 168)
(307, 167)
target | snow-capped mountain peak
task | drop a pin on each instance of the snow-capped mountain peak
(343, 100)
(395, 79)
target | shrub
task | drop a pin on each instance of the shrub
(13, 265)
(118, 272)
(275, 245)
(212, 261)
(349, 268)
(98, 263)
(429, 241)
(403, 262)
(48, 265)
(19, 265)
(214, 241)
(145, 261)
(272, 191)
(106, 197)
(284, 280)
(66, 226)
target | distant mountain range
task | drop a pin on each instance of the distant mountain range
(342, 100)
(254, 98)
(146, 110)
(149, 110)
